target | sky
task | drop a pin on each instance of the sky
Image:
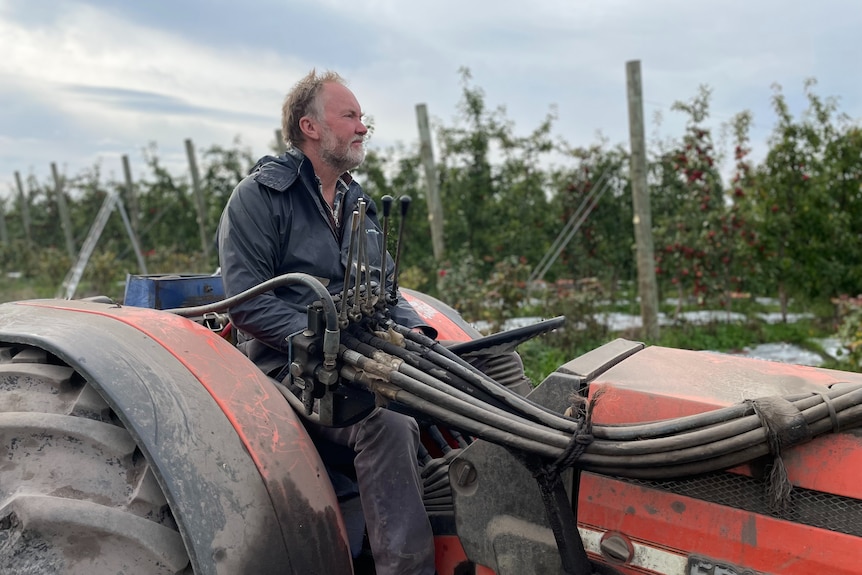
(87, 81)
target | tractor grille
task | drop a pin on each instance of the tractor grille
(807, 507)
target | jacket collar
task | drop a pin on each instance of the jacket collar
(279, 173)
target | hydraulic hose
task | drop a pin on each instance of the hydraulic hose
(695, 444)
(686, 423)
(445, 359)
(852, 417)
(457, 401)
(331, 337)
(423, 365)
(746, 421)
(448, 417)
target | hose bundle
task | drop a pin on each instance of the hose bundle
(431, 380)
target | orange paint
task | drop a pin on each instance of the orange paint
(265, 423)
(685, 525)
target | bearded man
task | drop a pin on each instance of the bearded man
(288, 216)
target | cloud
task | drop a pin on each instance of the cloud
(153, 103)
(89, 84)
(92, 48)
(89, 79)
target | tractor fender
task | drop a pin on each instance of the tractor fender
(446, 320)
(244, 482)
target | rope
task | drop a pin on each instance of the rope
(784, 426)
(833, 414)
(548, 477)
(582, 437)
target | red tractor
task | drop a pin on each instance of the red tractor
(137, 439)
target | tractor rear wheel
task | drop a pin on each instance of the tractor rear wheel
(76, 494)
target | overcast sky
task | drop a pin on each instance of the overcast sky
(88, 81)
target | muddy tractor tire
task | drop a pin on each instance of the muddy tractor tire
(137, 441)
(77, 494)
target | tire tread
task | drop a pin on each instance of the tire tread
(72, 477)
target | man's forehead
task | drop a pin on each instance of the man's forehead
(339, 97)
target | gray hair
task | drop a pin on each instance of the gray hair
(304, 100)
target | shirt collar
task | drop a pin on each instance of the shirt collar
(341, 188)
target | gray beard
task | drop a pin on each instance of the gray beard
(341, 160)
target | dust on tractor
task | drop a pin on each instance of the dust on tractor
(137, 438)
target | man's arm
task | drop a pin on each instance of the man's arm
(249, 235)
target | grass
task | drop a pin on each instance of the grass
(730, 337)
(23, 289)
(541, 359)
(20, 289)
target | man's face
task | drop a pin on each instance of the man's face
(342, 143)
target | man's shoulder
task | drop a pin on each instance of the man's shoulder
(276, 173)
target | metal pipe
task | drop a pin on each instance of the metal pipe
(350, 246)
(332, 334)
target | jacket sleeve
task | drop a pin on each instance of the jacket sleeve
(250, 231)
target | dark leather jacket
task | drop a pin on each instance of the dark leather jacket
(276, 222)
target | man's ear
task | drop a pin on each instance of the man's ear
(309, 128)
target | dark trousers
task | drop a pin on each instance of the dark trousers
(390, 488)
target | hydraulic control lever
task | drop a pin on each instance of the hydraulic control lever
(386, 201)
(354, 230)
(405, 206)
(359, 305)
(370, 298)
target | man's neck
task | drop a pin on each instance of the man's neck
(328, 182)
(327, 176)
